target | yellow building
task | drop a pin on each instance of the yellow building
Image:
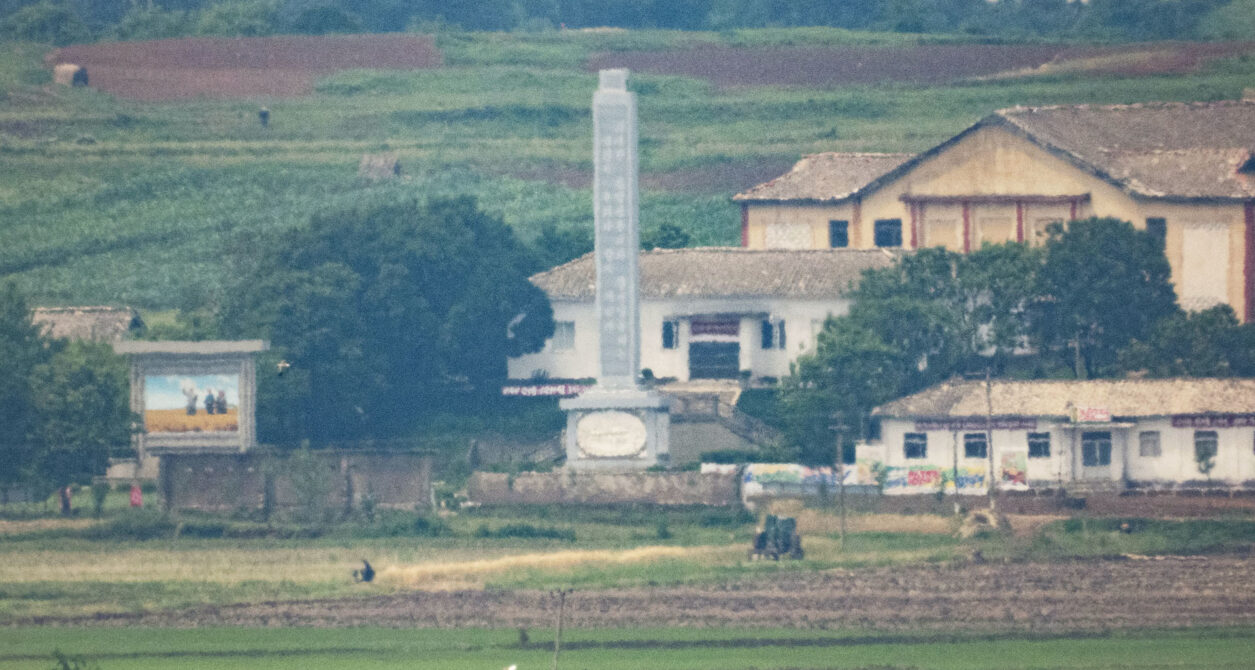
(1184, 171)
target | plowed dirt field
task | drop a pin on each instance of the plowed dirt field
(922, 64)
(1065, 597)
(242, 67)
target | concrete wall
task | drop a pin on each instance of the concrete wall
(660, 488)
(802, 320)
(1205, 244)
(228, 482)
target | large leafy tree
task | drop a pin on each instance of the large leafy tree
(1209, 343)
(1103, 285)
(84, 413)
(933, 314)
(22, 351)
(382, 313)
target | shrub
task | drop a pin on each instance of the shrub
(526, 531)
(134, 525)
(47, 23)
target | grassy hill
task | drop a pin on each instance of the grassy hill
(107, 200)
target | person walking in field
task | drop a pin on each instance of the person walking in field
(222, 401)
(210, 401)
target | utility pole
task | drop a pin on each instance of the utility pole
(989, 438)
(557, 638)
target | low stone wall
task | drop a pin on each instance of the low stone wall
(1186, 503)
(565, 487)
(229, 482)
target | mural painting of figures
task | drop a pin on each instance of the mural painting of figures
(170, 403)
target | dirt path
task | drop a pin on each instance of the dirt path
(1064, 597)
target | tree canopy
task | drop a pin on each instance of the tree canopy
(64, 406)
(1103, 285)
(381, 313)
(1094, 300)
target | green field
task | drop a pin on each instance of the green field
(110, 201)
(674, 649)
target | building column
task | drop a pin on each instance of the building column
(1019, 220)
(1248, 266)
(967, 226)
(745, 224)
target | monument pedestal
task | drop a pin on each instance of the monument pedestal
(609, 430)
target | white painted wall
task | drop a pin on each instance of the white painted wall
(582, 360)
(1235, 461)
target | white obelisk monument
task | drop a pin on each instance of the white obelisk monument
(616, 425)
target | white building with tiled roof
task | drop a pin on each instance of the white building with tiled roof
(705, 313)
(1058, 433)
(1185, 171)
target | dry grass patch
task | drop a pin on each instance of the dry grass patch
(473, 574)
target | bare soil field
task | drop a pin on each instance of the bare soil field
(1066, 597)
(237, 68)
(923, 64)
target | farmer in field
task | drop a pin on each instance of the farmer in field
(210, 401)
(189, 392)
(222, 401)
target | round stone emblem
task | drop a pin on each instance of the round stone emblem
(610, 434)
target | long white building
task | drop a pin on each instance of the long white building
(706, 313)
(1051, 434)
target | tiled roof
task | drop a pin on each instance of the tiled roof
(716, 272)
(1185, 150)
(104, 324)
(1120, 397)
(825, 177)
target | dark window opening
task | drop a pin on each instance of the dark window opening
(1039, 445)
(888, 232)
(838, 234)
(915, 445)
(670, 334)
(1096, 449)
(975, 445)
(772, 334)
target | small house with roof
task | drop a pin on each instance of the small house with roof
(1183, 171)
(91, 323)
(1101, 433)
(706, 313)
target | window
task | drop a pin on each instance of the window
(670, 334)
(1157, 226)
(773, 334)
(563, 336)
(1096, 449)
(1206, 445)
(1148, 444)
(915, 445)
(1039, 445)
(888, 232)
(975, 446)
(838, 234)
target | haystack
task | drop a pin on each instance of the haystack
(69, 74)
(379, 166)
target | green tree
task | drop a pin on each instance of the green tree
(852, 370)
(666, 236)
(1210, 343)
(45, 22)
(1232, 21)
(325, 19)
(84, 413)
(152, 23)
(238, 18)
(22, 351)
(1103, 284)
(382, 313)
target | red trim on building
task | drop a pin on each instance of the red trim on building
(1019, 220)
(745, 224)
(1248, 269)
(967, 226)
(914, 225)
